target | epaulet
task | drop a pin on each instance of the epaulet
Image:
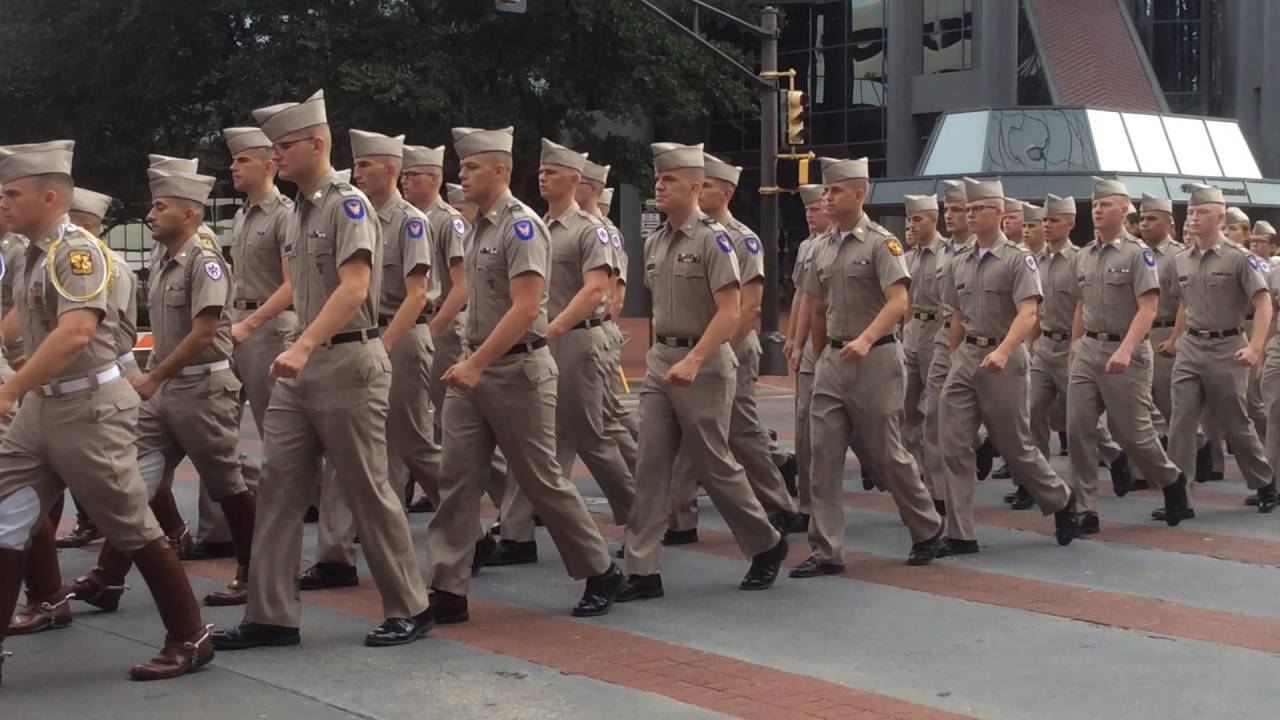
(285, 201)
(518, 209)
(344, 188)
(73, 234)
(589, 217)
(712, 223)
(877, 227)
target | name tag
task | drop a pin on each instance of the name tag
(489, 251)
(688, 258)
(320, 234)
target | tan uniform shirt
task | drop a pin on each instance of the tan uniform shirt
(124, 296)
(12, 247)
(406, 245)
(1109, 278)
(926, 292)
(448, 232)
(746, 247)
(81, 268)
(259, 239)
(684, 268)
(985, 287)
(325, 229)
(1216, 285)
(508, 240)
(183, 286)
(618, 248)
(851, 272)
(1167, 308)
(950, 250)
(579, 243)
(1058, 282)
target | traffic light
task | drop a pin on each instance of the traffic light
(802, 172)
(796, 102)
(511, 6)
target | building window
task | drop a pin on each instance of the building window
(1033, 86)
(1180, 37)
(948, 36)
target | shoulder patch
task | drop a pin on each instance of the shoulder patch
(81, 262)
(343, 186)
(523, 229)
(1031, 262)
(724, 243)
(602, 234)
(753, 244)
(1254, 262)
(415, 228)
(459, 226)
(617, 240)
(894, 247)
(213, 269)
(353, 207)
(1148, 257)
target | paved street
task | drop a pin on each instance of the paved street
(1144, 621)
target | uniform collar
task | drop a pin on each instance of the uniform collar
(937, 244)
(329, 180)
(997, 248)
(439, 204)
(393, 202)
(53, 233)
(963, 242)
(193, 244)
(1164, 246)
(498, 207)
(569, 209)
(1050, 252)
(267, 202)
(859, 230)
(691, 224)
(1098, 244)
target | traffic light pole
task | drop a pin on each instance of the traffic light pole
(772, 359)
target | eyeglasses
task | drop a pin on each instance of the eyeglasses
(283, 147)
(411, 174)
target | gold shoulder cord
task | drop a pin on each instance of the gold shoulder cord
(51, 267)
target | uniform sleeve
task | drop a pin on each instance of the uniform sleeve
(355, 229)
(527, 255)
(280, 225)
(209, 284)
(450, 234)
(950, 296)
(593, 243)
(81, 269)
(1169, 273)
(1252, 277)
(1026, 278)
(1143, 269)
(797, 271)
(722, 263)
(890, 268)
(415, 245)
(810, 282)
(750, 261)
(1273, 281)
(1076, 269)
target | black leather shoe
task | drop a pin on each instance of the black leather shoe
(1013, 496)
(1204, 463)
(600, 593)
(311, 516)
(951, 546)
(1267, 497)
(1089, 524)
(923, 553)
(1176, 505)
(680, 537)
(1159, 514)
(400, 631)
(485, 547)
(1121, 477)
(764, 567)
(790, 469)
(814, 566)
(1022, 499)
(1140, 484)
(790, 522)
(1065, 523)
(421, 505)
(210, 551)
(621, 552)
(1216, 476)
(1002, 472)
(868, 482)
(447, 608)
(510, 552)
(941, 507)
(1252, 500)
(640, 587)
(328, 575)
(250, 635)
(984, 458)
(1062, 444)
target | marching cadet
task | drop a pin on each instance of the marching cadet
(1263, 236)
(1011, 221)
(72, 388)
(1033, 227)
(1217, 282)
(994, 288)
(747, 438)
(858, 287)
(1262, 241)
(503, 392)
(1236, 228)
(800, 351)
(926, 319)
(1052, 348)
(1116, 289)
(263, 320)
(191, 397)
(12, 247)
(458, 201)
(330, 397)
(689, 387)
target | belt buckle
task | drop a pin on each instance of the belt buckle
(984, 342)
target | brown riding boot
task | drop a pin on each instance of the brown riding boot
(46, 608)
(187, 646)
(102, 586)
(171, 522)
(11, 573)
(239, 509)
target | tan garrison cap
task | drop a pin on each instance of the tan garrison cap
(920, 203)
(1205, 194)
(46, 158)
(954, 192)
(421, 156)
(674, 156)
(835, 170)
(810, 194)
(721, 170)
(1151, 203)
(556, 154)
(172, 164)
(93, 203)
(278, 121)
(239, 139)
(186, 186)
(1054, 205)
(473, 141)
(1103, 187)
(598, 174)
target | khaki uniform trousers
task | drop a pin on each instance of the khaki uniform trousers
(338, 409)
(619, 423)
(513, 407)
(918, 362)
(82, 441)
(862, 398)
(938, 369)
(1271, 391)
(1126, 399)
(972, 397)
(804, 442)
(196, 417)
(1206, 378)
(692, 421)
(1049, 396)
(748, 442)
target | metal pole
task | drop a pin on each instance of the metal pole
(772, 361)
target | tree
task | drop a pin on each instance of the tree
(129, 77)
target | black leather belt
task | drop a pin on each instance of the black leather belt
(521, 348)
(1214, 334)
(839, 344)
(587, 324)
(677, 342)
(1055, 336)
(252, 305)
(1157, 324)
(924, 316)
(983, 342)
(385, 320)
(1104, 337)
(608, 317)
(354, 336)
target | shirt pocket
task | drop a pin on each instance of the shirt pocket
(1117, 288)
(690, 285)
